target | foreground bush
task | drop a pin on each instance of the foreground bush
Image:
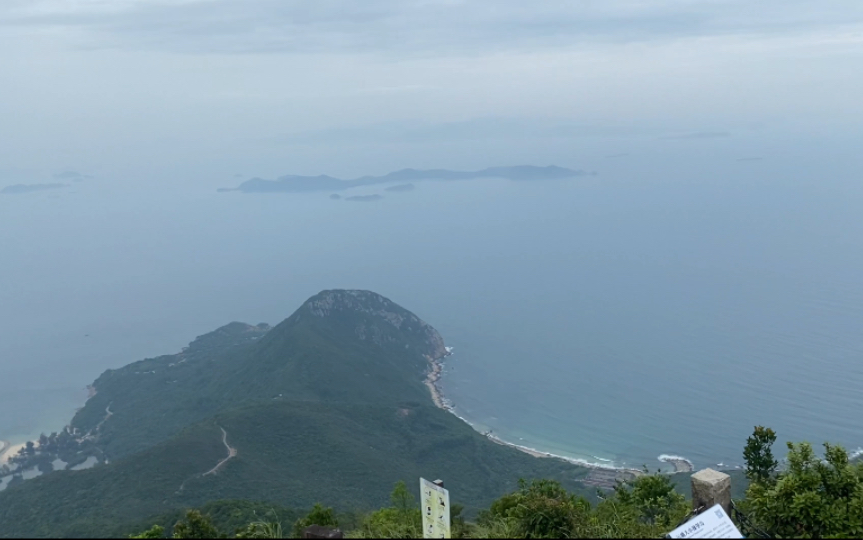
(810, 497)
(813, 497)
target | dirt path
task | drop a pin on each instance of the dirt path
(94, 431)
(108, 415)
(231, 453)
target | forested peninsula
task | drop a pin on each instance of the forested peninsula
(249, 427)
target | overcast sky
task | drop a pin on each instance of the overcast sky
(360, 87)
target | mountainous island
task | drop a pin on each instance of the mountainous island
(18, 189)
(336, 403)
(398, 188)
(306, 184)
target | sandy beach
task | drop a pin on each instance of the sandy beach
(9, 451)
(614, 471)
(601, 475)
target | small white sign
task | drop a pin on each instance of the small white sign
(712, 523)
(435, 509)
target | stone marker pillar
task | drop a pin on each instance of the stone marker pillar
(711, 487)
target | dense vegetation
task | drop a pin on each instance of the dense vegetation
(319, 408)
(293, 454)
(813, 497)
(352, 355)
(645, 508)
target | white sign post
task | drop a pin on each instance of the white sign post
(712, 523)
(435, 509)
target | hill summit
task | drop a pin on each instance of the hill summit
(372, 309)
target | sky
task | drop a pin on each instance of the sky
(166, 91)
(130, 102)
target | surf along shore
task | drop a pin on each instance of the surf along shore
(600, 475)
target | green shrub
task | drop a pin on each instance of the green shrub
(318, 516)
(196, 525)
(812, 498)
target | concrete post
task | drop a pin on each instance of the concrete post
(711, 487)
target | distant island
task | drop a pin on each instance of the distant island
(365, 198)
(400, 188)
(18, 189)
(75, 176)
(306, 184)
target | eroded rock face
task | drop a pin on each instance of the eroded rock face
(382, 310)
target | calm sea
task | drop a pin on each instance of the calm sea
(664, 306)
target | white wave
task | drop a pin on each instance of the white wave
(668, 458)
(856, 453)
(462, 418)
(576, 461)
(605, 464)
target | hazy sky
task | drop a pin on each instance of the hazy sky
(147, 87)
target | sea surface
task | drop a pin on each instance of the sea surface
(665, 305)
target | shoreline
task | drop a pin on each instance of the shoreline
(9, 451)
(432, 381)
